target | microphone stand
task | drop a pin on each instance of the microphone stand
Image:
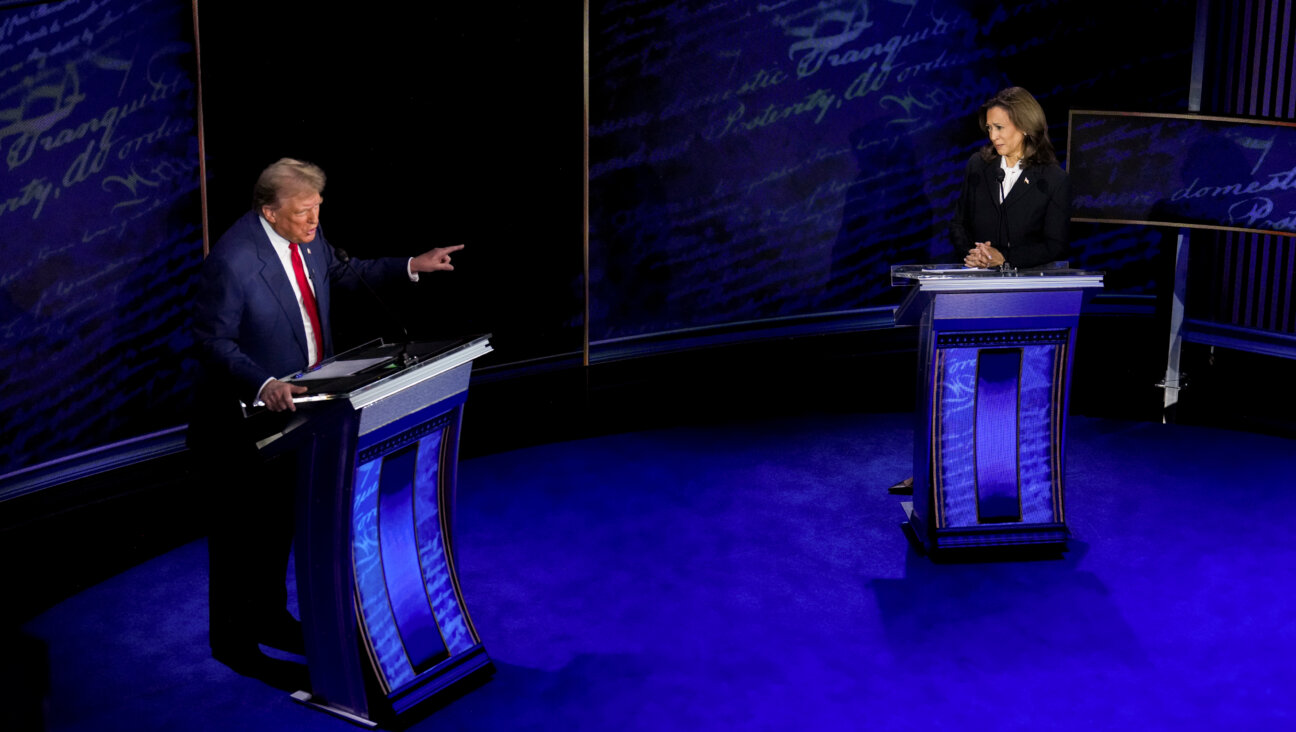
(1003, 226)
(403, 356)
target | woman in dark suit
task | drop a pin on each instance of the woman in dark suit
(1019, 169)
(1016, 200)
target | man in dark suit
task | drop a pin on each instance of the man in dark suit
(262, 313)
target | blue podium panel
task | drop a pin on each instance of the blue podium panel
(417, 633)
(996, 421)
(384, 618)
(995, 356)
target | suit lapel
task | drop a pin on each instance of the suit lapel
(992, 185)
(276, 281)
(1021, 188)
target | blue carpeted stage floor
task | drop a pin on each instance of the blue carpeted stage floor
(754, 576)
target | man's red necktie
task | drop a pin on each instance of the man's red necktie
(308, 299)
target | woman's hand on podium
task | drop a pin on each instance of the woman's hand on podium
(983, 255)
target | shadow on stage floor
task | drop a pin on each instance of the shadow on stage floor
(754, 576)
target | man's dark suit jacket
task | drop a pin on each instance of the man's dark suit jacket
(246, 318)
(249, 328)
(1035, 215)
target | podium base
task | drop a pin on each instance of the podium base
(305, 697)
(999, 537)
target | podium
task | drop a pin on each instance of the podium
(376, 443)
(994, 368)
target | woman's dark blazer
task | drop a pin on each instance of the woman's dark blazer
(1035, 216)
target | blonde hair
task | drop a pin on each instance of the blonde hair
(283, 175)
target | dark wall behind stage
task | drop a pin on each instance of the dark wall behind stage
(463, 126)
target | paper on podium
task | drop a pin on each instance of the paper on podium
(337, 369)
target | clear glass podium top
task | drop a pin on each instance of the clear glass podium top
(956, 277)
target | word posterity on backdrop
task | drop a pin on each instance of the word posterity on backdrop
(101, 222)
(754, 161)
(1184, 170)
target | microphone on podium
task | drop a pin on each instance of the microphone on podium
(1003, 244)
(999, 176)
(403, 357)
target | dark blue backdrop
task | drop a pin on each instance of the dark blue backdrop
(100, 219)
(1190, 170)
(752, 161)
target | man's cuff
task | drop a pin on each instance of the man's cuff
(409, 270)
(263, 386)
